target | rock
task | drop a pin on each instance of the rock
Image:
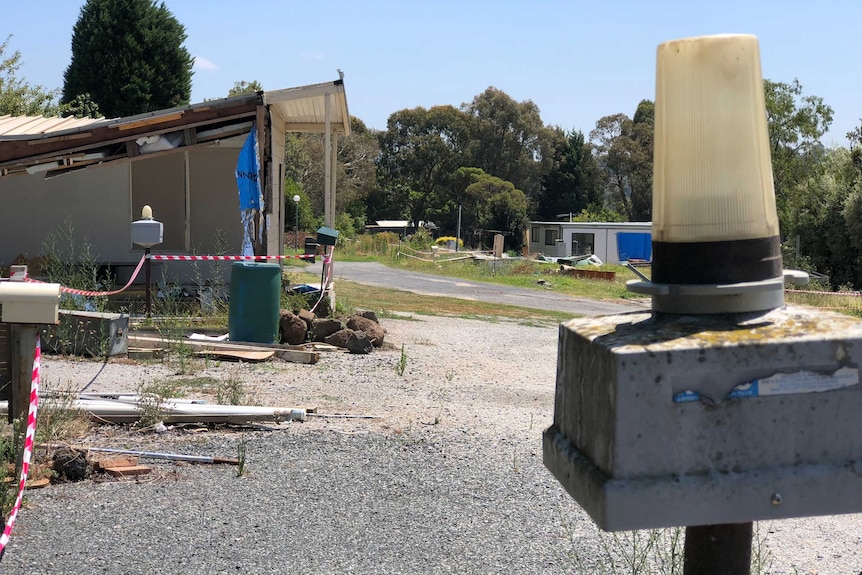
(358, 342)
(307, 316)
(321, 328)
(339, 338)
(71, 464)
(292, 328)
(367, 313)
(371, 328)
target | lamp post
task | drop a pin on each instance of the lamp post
(147, 232)
(296, 223)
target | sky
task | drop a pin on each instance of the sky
(576, 60)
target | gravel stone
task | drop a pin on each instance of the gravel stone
(449, 479)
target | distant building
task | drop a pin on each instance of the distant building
(403, 228)
(612, 242)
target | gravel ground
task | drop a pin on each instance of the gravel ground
(448, 480)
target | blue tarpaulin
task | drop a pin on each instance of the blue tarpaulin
(250, 197)
(248, 174)
(634, 246)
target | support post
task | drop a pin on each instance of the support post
(23, 338)
(718, 549)
(458, 239)
(147, 272)
(328, 208)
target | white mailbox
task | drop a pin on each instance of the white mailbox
(29, 302)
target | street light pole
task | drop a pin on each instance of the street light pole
(296, 223)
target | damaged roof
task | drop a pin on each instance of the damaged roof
(32, 144)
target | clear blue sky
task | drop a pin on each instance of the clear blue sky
(577, 60)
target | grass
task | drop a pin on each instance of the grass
(645, 552)
(388, 302)
(402, 362)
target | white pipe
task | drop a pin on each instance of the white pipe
(174, 412)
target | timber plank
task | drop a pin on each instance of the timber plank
(291, 355)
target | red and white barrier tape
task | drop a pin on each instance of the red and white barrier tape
(224, 258)
(75, 291)
(29, 440)
(135, 273)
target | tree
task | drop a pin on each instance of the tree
(355, 168)
(128, 55)
(572, 183)
(509, 140)
(796, 124)
(243, 87)
(624, 151)
(419, 151)
(491, 205)
(17, 97)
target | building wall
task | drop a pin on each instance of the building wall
(95, 201)
(604, 236)
(275, 210)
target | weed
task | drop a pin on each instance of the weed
(647, 552)
(152, 396)
(59, 420)
(68, 259)
(231, 391)
(11, 441)
(402, 362)
(240, 456)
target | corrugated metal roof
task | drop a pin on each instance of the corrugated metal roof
(304, 108)
(39, 125)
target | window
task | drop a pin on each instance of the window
(583, 244)
(534, 234)
(550, 237)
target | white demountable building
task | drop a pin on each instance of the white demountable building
(612, 242)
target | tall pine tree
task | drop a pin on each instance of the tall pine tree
(128, 55)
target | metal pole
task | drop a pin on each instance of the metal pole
(296, 228)
(147, 272)
(458, 239)
(172, 456)
(718, 549)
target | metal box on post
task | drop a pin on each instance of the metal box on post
(36, 303)
(708, 419)
(327, 236)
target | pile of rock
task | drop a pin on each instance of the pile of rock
(358, 333)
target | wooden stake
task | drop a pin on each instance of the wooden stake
(23, 339)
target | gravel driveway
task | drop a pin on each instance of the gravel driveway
(449, 479)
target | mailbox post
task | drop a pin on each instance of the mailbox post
(26, 307)
(722, 406)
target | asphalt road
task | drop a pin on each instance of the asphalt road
(375, 274)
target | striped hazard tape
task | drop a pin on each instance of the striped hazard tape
(29, 439)
(224, 258)
(75, 291)
(159, 257)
